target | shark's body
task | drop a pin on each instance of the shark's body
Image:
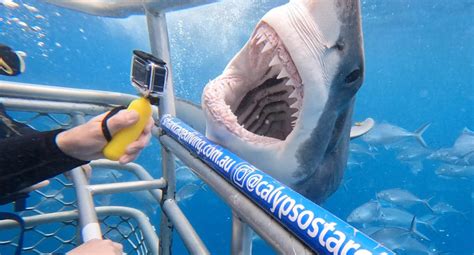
(284, 102)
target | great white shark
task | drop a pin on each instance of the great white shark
(285, 101)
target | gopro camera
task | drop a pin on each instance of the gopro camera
(149, 74)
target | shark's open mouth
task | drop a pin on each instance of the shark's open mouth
(260, 94)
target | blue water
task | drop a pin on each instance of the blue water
(419, 69)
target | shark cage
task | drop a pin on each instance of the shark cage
(67, 216)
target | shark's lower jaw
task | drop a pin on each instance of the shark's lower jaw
(260, 94)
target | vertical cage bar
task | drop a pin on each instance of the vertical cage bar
(159, 43)
(241, 237)
(90, 228)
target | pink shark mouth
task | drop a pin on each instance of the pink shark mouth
(260, 94)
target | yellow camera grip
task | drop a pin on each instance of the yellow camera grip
(117, 146)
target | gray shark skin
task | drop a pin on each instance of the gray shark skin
(285, 101)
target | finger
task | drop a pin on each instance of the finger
(122, 119)
(139, 144)
(127, 158)
(118, 247)
(149, 126)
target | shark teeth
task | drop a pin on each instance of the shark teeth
(283, 73)
(294, 94)
(267, 47)
(275, 61)
(261, 40)
(291, 82)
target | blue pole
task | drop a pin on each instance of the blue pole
(319, 229)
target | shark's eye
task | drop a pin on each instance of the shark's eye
(353, 76)
(339, 46)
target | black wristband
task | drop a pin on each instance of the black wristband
(105, 128)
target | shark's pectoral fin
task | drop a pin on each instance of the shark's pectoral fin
(361, 128)
(191, 114)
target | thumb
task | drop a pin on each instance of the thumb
(121, 120)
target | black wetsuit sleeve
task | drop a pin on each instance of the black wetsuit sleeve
(32, 158)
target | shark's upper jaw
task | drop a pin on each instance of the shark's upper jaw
(260, 94)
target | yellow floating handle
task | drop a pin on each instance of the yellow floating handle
(117, 146)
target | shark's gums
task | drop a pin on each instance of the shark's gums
(284, 102)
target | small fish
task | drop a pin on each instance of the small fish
(185, 175)
(366, 213)
(39, 16)
(395, 217)
(443, 208)
(386, 133)
(392, 232)
(188, 191)
(462, 152)
(413, 152)
(403, 244)
(455, 171)
(402, 198)
(352, 162)
(360, 149)
(370, 230)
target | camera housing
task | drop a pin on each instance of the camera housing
(148, 74)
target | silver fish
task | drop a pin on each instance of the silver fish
(455, 171)
(185, 175)
(366, 213)
(462, 152)
(405, 244)
(401, 197)
(357, 148)
(395, 217)
(397, 232)
(413, 152)
(442, 208)
(188, 191)
(385, 133)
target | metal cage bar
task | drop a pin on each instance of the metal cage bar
(270, 230)
(143, 222)
(17, 99)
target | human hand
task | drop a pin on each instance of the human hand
(96, 246)
(86, 142)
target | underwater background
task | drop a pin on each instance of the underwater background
(419, 70)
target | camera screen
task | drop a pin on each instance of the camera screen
(159, 79)
(139, 73)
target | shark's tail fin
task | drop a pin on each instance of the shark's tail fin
(418, 134)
